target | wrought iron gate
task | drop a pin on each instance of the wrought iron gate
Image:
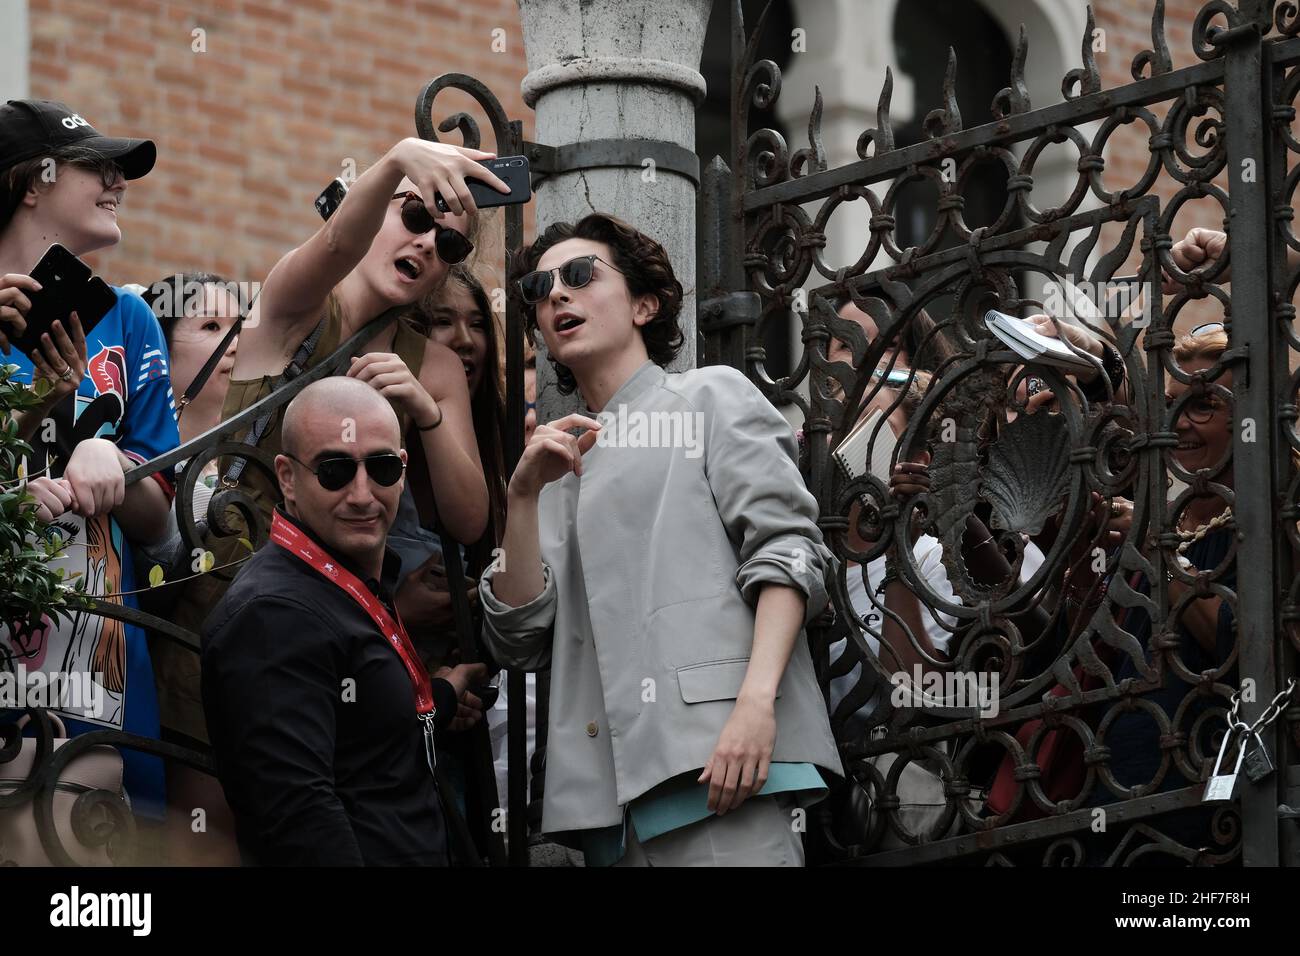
(1065, 679)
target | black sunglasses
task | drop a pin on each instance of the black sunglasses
(536, 286)
(335, 473)
(107, 170)
(452, 247)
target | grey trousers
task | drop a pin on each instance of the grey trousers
(762, 832)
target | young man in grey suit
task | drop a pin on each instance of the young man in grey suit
(662, 564)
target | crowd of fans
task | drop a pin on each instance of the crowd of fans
(667, 593)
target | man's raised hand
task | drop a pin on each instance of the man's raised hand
(552, 453)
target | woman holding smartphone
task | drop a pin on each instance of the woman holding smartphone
(387, 245)
(110, 409)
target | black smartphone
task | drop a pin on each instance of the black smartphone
(511, 170)
(330, 198)
(67, 285)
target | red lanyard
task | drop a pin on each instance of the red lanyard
(294, 541)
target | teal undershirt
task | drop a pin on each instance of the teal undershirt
(678, 803)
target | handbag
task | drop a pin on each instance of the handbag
(97, 768)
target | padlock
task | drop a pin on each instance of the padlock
(1259, 766)
(1218, 789)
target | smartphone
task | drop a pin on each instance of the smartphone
(511, 170)
(67, 285)
(330, 198)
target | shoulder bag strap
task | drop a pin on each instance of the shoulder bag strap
(292, 371)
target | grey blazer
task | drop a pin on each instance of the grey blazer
(654, 560)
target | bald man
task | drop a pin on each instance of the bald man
(320, 712)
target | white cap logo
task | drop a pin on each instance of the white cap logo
(73, 121)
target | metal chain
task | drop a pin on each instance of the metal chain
(1270, 714)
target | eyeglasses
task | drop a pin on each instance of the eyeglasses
(895, 378)
(1200, 410)
(576, 273)
(452, 247)
(107, 170)
(336, 473)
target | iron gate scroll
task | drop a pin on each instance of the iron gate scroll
(1218, 131)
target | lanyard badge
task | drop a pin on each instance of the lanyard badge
(289, 537)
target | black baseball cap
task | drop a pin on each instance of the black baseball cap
(31, 128)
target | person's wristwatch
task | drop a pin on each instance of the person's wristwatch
(1112, 363)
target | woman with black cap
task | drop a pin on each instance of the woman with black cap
(111, 407)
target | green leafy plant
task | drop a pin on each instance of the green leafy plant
(29, 587)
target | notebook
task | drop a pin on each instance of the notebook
(852, 454)
(1032, 346)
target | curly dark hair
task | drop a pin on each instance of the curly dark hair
(644, 265)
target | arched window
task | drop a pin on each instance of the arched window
(923, 32)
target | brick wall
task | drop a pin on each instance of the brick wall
(1127, 26)
(251, 130)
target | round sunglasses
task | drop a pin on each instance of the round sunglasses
(452, 247)
(337, 473)
(106, 169)
(576, 273)
(1202, 408)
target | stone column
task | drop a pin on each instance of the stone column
(603, 70)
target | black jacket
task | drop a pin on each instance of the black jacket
(313, 722)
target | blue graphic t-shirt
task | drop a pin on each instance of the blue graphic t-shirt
(125, 397)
